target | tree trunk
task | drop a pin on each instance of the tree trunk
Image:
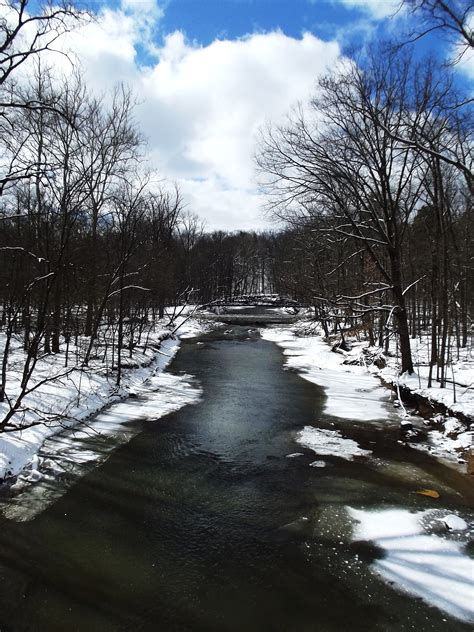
(400, 313)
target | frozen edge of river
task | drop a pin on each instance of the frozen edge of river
(312, 357)
(424, 565)
(18, 450)
(73, 454)
(360, 398)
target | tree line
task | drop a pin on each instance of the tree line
(372, 180)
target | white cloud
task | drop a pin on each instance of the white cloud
(201, 106)
(224, 208)
(466, 63)
(464, 55)
(378, 9)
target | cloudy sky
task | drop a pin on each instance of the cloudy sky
(209, 73)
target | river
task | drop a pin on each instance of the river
(200, 521)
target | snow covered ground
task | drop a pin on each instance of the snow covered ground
(360, 396)
(76, 396)
(447, 436)
(73, 453)
(459, 399)
(429, 566)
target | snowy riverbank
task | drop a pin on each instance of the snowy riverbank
(418, 547)
(412, 556)
(314, 359)
(70, 399)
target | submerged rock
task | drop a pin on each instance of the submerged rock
(301, 527)
(410, 432)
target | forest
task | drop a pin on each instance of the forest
(370, 185)
(236, 315)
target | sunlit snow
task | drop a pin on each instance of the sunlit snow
(351, 391)
(329, 443)
(71, 451)
(428, 566)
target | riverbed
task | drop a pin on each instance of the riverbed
(215, 517)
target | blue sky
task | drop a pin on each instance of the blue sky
(209, 74)
(208, 19)
(352, 22)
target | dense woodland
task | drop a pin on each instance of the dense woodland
(372, 182)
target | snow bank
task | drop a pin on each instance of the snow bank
(351, 391)
(329, 443)
(439, 445)
(428, 566)
(418, 383)
(78, 395)
(75, 451)
(354, 391)
(461, 370)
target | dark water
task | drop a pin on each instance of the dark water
(183, 528)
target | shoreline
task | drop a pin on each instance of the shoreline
(81, 396)
(312, 356)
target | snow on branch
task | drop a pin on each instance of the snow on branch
(364, 294)
(412, 284)
(129, 287)
(22, 250)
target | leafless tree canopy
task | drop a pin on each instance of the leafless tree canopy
(371, 182)
(24, 34)
(453, 18)
(379, 143)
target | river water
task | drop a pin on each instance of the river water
(201, 522)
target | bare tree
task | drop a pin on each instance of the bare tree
(110, 146)
(25, 33)
(454, 18)
(27, 30)
(344, 166)
(164, 210)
